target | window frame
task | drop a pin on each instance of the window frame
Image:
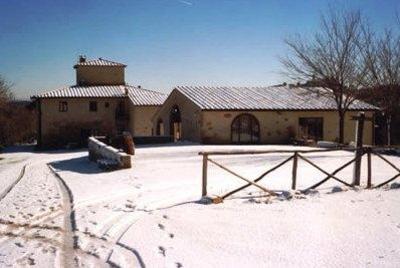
(91, 107)
(63, 106)
(252, 128)
(316, 134)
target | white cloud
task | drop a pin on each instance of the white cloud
(185, 2)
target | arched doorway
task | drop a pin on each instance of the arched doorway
(175, 124)
(245, 129)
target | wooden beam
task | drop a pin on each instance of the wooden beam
(389, 180)
(294, 170)
(241, 177)
(204, 177)
(330, 175)
(387, 161)
(392, 165)
(323, 171)
(369, 176)
(359, 147)
(258, 179)
(240, 152)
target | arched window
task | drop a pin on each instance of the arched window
(245, 129)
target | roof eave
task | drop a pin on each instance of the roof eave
(285, 110)
(81, 65)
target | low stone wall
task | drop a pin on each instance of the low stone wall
(152, 139)
(99, 151)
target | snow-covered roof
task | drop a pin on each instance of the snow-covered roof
(139, 96)
(99, 62)
(263, 98)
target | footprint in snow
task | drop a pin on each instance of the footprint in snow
(171, 235)
(162, 227)
(165, 216)
(162, 250)
(130, 206)
(178, 264)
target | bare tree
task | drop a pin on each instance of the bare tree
(331, 58)
(17, 118)
(5, 91)
(382, 57)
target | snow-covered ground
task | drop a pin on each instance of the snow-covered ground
(66, 212)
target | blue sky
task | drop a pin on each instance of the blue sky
(164, 42)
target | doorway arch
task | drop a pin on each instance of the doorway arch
(245, 129)
(175, 123)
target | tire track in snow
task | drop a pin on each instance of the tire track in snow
(112, 231)
(122, 228)
(70, 240)
(71, 230)
(9, 188)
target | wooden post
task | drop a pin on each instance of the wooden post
(204, 181)
(369, 168)
(359, 147)
(294, 171)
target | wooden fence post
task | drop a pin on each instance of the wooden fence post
(369, 168)
(294, 171)
(204, 181)
(359, 148)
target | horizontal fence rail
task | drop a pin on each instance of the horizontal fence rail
(295, 156)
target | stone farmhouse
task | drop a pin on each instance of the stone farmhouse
(243, 115)
(100, 103)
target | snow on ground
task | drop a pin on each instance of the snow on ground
(151, 216)
(10, 167)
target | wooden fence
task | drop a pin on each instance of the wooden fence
(295, 156)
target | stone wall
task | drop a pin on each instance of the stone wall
(190, 116)
(140, 117)
(100, 75)
(61, 128)
(275, 126)
(101, 151)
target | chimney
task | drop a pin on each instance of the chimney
(139, 86)
(82, 58)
